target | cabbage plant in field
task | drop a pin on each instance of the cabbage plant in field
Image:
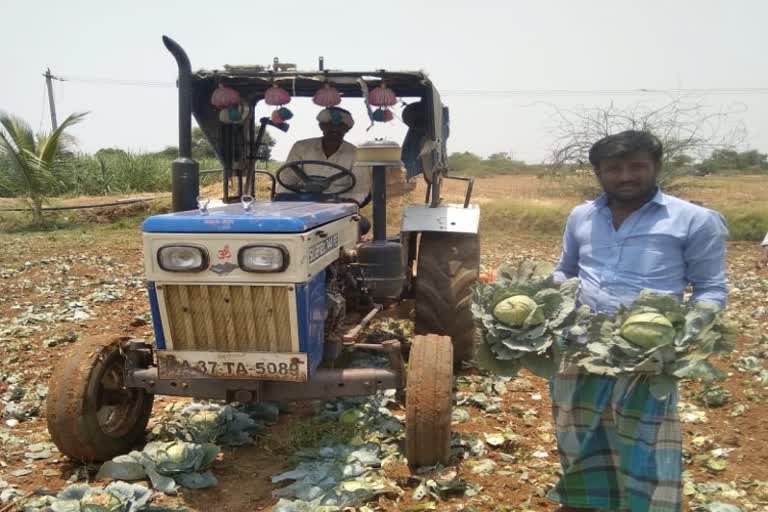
(520, 315)
(168, 465)
(658, 337)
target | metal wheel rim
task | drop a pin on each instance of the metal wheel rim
(117, 420)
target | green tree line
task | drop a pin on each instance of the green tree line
(34, 167)
(470, 164)
(751, 161)
(720, 161)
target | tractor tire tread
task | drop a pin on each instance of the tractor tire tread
(429, 401)
(448, 266)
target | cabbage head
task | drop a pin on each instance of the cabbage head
(100, 503)
(648, 330)
(205, 419)
(351, 417)
(176, 457)
(514, 310)
(176, 453)
(206, 426)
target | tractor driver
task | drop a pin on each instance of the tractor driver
(334, 122)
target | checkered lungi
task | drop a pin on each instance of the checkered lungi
(620, 448)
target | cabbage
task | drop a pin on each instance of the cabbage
(648, 330)
(514, 310)
(175, 454)
(205, 419)
(351, 417)
(115, 497)
(520, 315)
(100, 503)
(658, 337)
(176, 457)
(167, 464)
(221, 424)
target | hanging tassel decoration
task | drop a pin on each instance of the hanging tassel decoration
(235, 114)
(382, 97)
(281, 115)
(382, 115)
(225, 97)
(327, 96)
(278, 97)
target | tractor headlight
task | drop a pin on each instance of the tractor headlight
(263, 258)
(182, 258)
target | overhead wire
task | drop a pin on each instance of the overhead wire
(114, 81)
(732, 91)
(500, 93)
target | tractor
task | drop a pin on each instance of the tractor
(261, 300)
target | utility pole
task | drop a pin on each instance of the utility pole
(48, 78)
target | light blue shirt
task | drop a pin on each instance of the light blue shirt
(664, 246)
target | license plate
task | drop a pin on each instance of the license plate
(193, 364)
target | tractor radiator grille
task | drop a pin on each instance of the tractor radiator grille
(228, 318)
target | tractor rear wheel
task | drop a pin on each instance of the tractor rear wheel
(91, 415)
(428, 401)
(448, 266)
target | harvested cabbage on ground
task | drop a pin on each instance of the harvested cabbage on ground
(221, 424)
(520, 315)
(115, 497)
(168, 465)
(658, 337)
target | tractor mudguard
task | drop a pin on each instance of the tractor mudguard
(447, 218)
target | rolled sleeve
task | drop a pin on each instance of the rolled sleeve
(568, 266)
(705, 260)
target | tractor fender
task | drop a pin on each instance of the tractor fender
(448, 218)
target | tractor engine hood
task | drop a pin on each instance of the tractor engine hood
(264, 217)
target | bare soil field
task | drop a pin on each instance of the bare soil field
(62, 286)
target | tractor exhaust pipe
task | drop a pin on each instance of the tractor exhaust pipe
(185, 172)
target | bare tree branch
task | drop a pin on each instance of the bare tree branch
(689, 130)
(684, 127)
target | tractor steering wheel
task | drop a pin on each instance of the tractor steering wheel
(314, 183)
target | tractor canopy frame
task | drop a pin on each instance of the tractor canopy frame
(237, 148)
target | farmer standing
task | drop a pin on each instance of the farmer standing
(620, 447)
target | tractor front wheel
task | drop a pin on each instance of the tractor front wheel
(91, 415)
(428, 401)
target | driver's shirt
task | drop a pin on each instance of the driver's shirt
(345, 156)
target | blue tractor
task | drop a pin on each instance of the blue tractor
(260, 300)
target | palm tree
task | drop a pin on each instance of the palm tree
(33, 167)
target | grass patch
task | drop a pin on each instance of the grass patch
(19, 222)
(510, 207)
(128, 216)
(121, 172)
(311, 433)
(749, 223)
(508, 217)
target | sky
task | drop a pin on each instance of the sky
(527, 49)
